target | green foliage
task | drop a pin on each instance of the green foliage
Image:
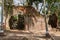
(57, 0)
(49, 1)
(59, 16)
(8, 6)
(54, 8)
(51, 5)
(15, 17)
(30, 2)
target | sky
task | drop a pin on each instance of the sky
(19, 1)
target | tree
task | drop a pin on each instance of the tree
(8, 10)
(51, 5)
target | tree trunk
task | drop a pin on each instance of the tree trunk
(7, 23)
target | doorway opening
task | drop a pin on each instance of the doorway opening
(17, 22)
